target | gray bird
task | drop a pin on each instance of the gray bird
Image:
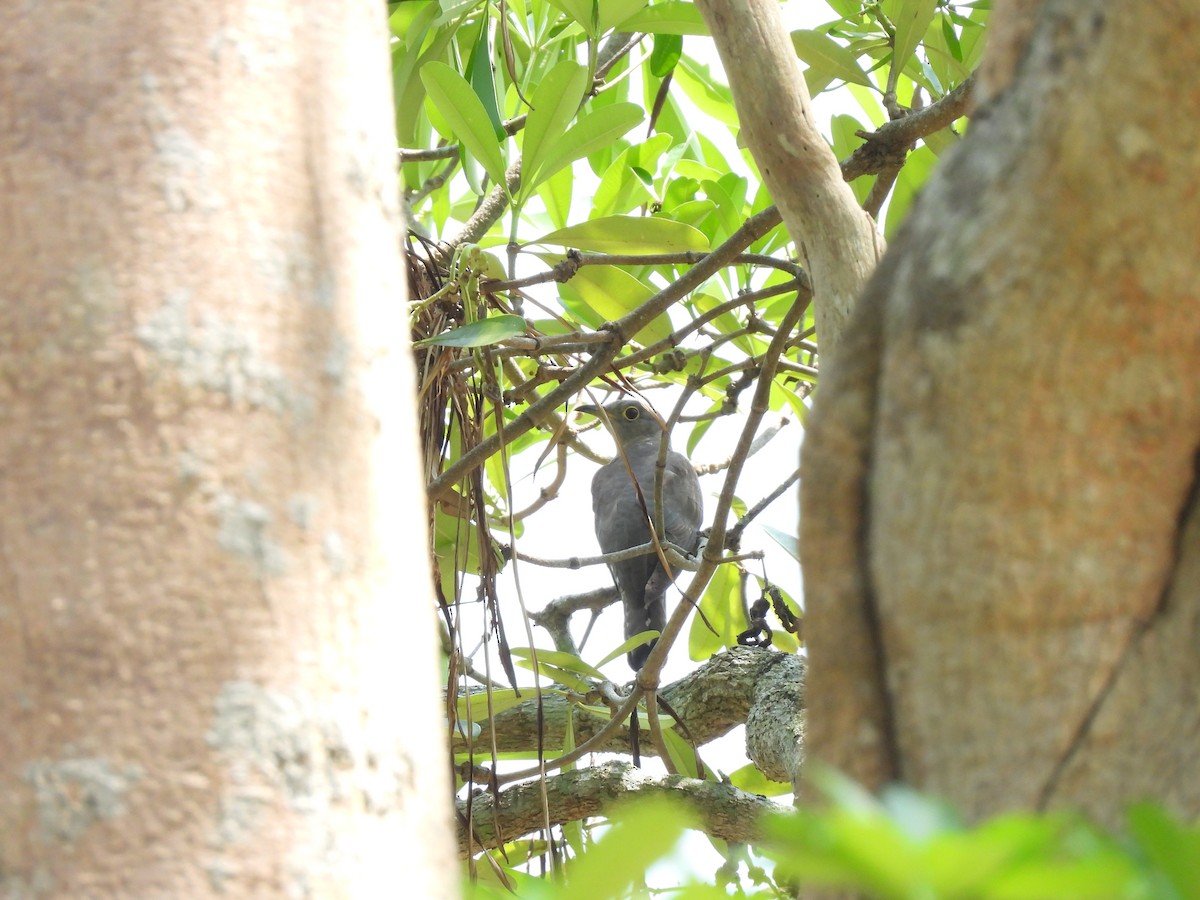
(622, 517)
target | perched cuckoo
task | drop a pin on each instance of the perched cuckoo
(624, 513)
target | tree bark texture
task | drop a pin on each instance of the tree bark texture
(216, 671)
(1000, 521)
(723, 810)
(759, 688)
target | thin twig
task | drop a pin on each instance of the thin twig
(734, 538)
(677, 556)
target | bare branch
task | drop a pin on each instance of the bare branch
(676, 555)
(880, 147)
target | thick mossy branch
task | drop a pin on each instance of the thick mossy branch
(725, 811)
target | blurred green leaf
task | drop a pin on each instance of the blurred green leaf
(482, 79)
(572, 680)
(682, 754)
(615, 13)
(1173, 848)
(709, 95)
(640, 834)
(585, 12)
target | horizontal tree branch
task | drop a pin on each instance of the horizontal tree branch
(725, 811)
(711, 701)
(881, 148)
(677, 556)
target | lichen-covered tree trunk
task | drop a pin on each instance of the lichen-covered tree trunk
(216, 671)
(1000, 521)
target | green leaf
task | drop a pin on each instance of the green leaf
(482, 79)
(615, 12)
(970, 39)
(619, 190)
(555, 103)
(817, 80)
(681, 752)
(725, 323)
(556, 195)
(612, 292)
(566, 661)
(453, 9)
(845, 142)
(749, 779)
(847, 9)
(909, 182)
(710, 95)
(479, 704)
(667, 50)
(1173, 848)
(822, 53)
(629, 234)
(585, 12)
(401, 21)
(728, 213)
(788, 542)
(456, 101)
(722, 607)
(951, 38)
(406, 58)
(672, 17)
(554, 673)
(911, 19)
(940, 141)
(642, 637)
(487, 331)
(592, 132)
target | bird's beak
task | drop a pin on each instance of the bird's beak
(589, 409)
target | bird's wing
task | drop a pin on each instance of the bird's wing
(683, 501)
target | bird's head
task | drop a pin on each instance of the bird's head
(629, 420)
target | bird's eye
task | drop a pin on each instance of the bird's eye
(632, 412)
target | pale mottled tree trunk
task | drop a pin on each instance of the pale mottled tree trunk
(1001, 527)
(216, 670)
